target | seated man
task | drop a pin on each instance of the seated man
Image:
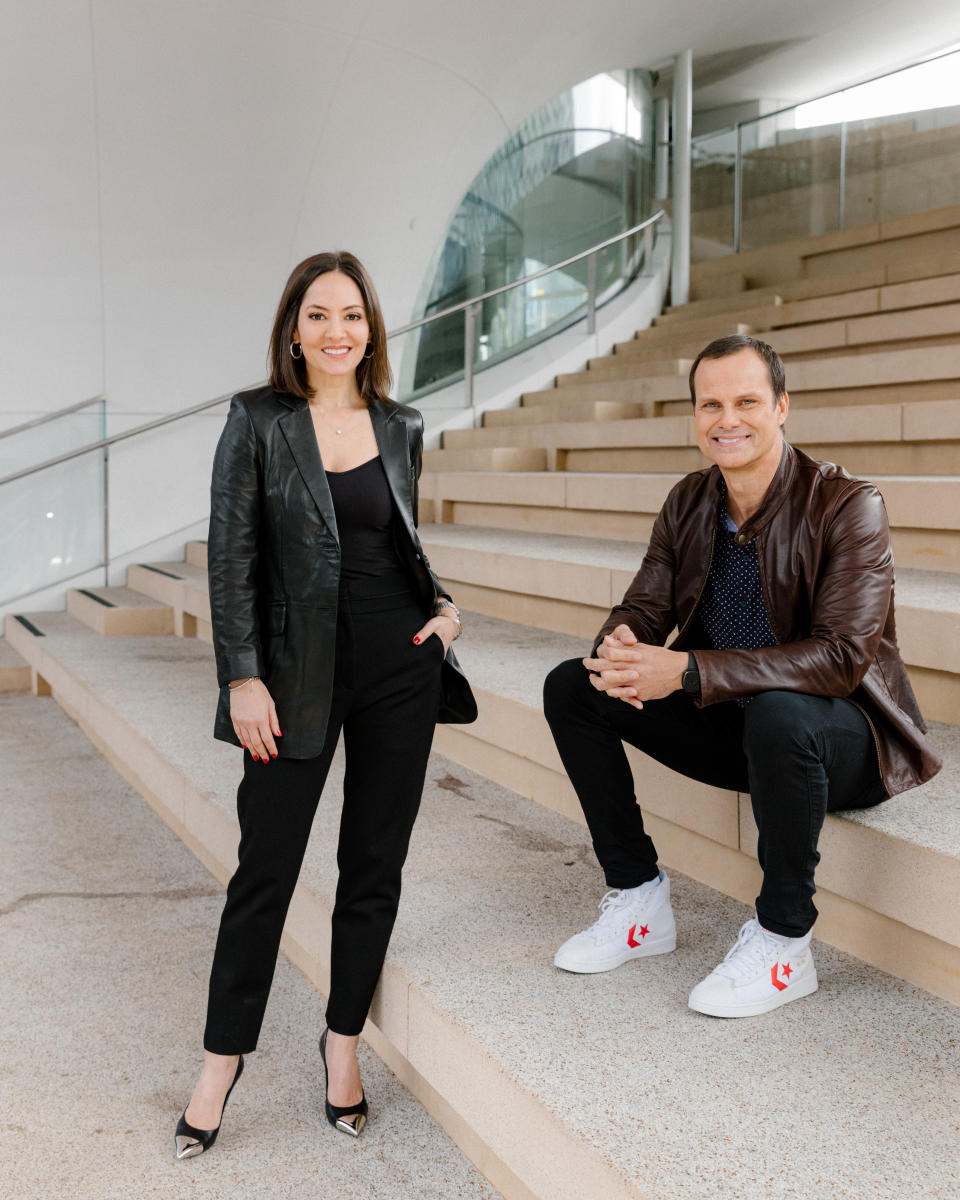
(784, 681)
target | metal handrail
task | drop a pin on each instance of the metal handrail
(465, 304)
(469, 307)
(61, 412)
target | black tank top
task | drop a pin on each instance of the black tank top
(365, 520)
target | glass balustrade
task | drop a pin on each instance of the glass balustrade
(52, 525)
(158, 485)
(58, 433)
(884, 149)
(580, 170)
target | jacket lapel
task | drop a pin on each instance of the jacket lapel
(391, 436)
(297, 427)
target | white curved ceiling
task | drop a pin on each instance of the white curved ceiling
(165, 162)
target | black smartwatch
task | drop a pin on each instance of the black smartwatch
(690, 679)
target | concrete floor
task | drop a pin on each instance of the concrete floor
(107, 923)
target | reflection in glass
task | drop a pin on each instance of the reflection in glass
(576, 172)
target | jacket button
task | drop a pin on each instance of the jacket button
(741, 539)
(418, 558)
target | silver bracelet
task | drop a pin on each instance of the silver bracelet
(443, 603)
(235, 687)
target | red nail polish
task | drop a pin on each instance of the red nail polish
(274, 756)
(254, 757)
(416, 641)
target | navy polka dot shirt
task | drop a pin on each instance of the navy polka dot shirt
(732, 612)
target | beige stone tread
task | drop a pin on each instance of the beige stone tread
(882, 369)
(196, 553)
(119, 611)
(592, 575)
(483, 458)
(14, 669)
(913, 501)
(471, 1012)
(183, 586)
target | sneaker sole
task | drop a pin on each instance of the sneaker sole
(663, 946)
(802, 988)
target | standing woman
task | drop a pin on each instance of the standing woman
(326, 617)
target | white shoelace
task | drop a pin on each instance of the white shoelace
(754, 949)
(610, 907)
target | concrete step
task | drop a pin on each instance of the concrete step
(710, 831)
(924, 512)
(570, 408)
(909, 374)
(475, 1032)
(182, 586)
(910, 329)
(483, 458)
(568, 584)
(14, 669)
(108, 927)
(119, 612)
(920, 438)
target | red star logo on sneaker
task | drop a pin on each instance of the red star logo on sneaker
(787, 970)
(781, 987)
(644, 930)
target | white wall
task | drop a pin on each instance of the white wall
(165, 162)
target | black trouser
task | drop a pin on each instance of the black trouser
(799, 757)
(385, 698)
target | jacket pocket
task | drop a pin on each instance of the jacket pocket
(275, 619)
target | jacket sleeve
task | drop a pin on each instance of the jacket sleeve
(850, 603)
(416, 467)
(648, 606)
(235, 499)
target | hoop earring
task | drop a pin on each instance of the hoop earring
(372, 351)
(297, 344)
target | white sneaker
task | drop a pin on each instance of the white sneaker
(634, 923)
(761, 972)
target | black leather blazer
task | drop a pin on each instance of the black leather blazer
(274, 560)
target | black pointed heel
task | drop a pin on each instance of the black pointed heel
(336, 1115)
(190, 1141)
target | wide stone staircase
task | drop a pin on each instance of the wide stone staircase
(559, 1086)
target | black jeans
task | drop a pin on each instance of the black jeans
(798, 756)
(385, 699)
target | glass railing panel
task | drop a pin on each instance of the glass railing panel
(160, 480)
(712, 194)
(791, 180)
(52, 526)
(580, 170)
(24, 448)
(901, 164)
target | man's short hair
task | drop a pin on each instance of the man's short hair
(733, 343)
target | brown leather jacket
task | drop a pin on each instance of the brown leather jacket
(826, 567)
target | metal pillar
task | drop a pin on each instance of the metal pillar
(469, 354)
(682, 129)
(661, 161)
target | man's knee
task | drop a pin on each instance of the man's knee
(562, 686)
(780, 718)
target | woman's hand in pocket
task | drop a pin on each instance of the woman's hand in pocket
(444, 627)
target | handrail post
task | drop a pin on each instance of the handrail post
(592, 294)
(469, 350)
(738, 192)
(647, 249)
(106, 516)
(841, 201)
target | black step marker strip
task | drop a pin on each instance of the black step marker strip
(157, 571)
(29, 625)
(94, 596)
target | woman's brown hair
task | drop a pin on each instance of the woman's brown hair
(289, 374)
